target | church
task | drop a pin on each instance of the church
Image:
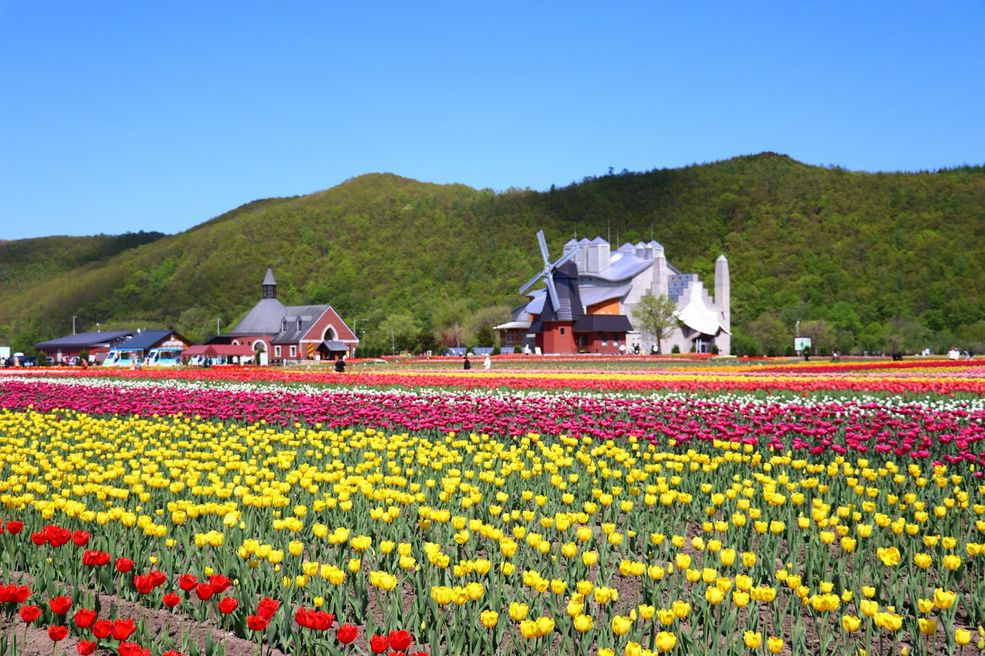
(596, 291)
(281, 333)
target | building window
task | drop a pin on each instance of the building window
(299, 324)
(276, 351)
(294, 350)
(562, 331)
(283, 324)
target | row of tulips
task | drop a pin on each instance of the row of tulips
(940, 377)
(124, 634)
(484, 540)
(952, 433)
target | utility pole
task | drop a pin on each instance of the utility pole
(393, 343)
(73, 323)
(217, 325)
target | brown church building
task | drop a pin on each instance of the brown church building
(290, 333)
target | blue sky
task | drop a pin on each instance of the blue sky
(119, 116)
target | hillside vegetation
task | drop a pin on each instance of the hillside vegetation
(864, 261)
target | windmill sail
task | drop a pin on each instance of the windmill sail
(547, 275)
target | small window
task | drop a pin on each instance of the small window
(294, 350)
(299, 324)
(283, 324)
(562, 331)
(277, 351)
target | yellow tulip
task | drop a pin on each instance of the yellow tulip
(489, 618)
(752, 639)
(666, 641)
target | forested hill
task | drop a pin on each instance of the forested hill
(865, 261)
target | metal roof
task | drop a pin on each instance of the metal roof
(146, 340)
(603, 323)
(230, 349)
(335, 345)
(622, 266)
(289, 333)
(268, 279)
(591, 295)
(84, 340)
(263, 319)
(512, 325)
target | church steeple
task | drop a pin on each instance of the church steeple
(269, 284)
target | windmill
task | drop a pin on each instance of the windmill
(547, 275)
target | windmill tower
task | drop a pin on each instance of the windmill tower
(554, 326)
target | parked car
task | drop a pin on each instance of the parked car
(19, 359)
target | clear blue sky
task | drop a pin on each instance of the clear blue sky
(119, 116)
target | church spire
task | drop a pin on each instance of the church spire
(269, 284)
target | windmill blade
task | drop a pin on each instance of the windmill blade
(552, 292)
(530, 283)
(543, 248)
(567, 256)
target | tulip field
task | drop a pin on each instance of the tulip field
(792, 508)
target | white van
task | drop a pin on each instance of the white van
(164, 357)
(117, 358)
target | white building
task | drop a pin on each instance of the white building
(613, 282)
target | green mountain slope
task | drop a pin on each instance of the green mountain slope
(864, 261)
(28, 261)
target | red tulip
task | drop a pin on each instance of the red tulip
(57, 633)
(157, 577)
(84, 618)
(267, 607)
(123, 628)
(171, 599)
(123, 565)
(187, 581)
(399, 640)
(203, 591)
(85, 647)
(102, 629)
(60, 605)
(30, 613)
(95, 558)
(347, 633)
(143, 583)
(132, 649)
(14, 527)
(219, 583)
(257, 623)
(378, 644)
(227, 605)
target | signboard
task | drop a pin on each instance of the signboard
(173, 343)
(801, 343)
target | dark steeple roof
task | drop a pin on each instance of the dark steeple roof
(269, 285)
